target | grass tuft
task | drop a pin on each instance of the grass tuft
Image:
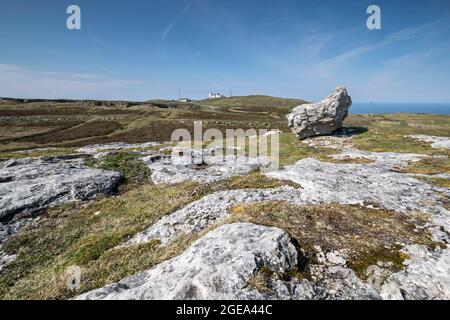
(127, 163)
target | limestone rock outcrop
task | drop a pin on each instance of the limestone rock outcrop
(219, 265)
(213, 208)
(30, 185)
(320, 118)
(203, 166)
(426, 276)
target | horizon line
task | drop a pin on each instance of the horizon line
(226, 97)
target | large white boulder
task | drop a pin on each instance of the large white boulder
(320, 118)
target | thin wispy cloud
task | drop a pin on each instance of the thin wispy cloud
(17, 81)
(388, 78)
(398, 36)
(315, 43)
(172, 25)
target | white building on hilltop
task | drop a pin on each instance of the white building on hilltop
(215, 96)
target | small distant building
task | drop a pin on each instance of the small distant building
(185, 100)
(215, 96)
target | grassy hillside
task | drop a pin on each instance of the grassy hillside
(64, 126)
(253, 101)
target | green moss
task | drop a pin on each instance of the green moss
(127, 163)
(390, 132)
(386, 255)
(254, 180)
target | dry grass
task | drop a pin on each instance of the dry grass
(439, 182)
(85, 235)
(81, 235)
(434, 165)
(261, 280)
(85, 130)
(389, 133)
(369, 235)
(254, 180)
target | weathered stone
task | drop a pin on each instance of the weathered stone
(95, 148)
(211, 209)
(436, 142)
(5, 260)
(29, 185)
(218, 266)
(335, 282)
(320, 118)
(373, 183)
(201, 166)
(426, 277)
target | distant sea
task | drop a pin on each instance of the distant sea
(390, 107)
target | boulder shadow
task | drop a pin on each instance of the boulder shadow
(350, 131)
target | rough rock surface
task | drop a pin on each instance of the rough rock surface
(426, 277)
(95, 148)
(211, 209)
(334, 281)
(221, 264)
(436, 142)
(201, 166)
(320, 118)
(218, 266)
(5, 260)
(29, 185)
(373, 183)
(377, 183)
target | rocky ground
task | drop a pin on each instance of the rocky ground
(188, 164)
(241, 260)
(352, 215)
(374, 183)
(28, 185)
(218, 266)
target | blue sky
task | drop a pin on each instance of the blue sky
(148, 49)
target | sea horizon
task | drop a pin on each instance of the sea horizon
(359, 107)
